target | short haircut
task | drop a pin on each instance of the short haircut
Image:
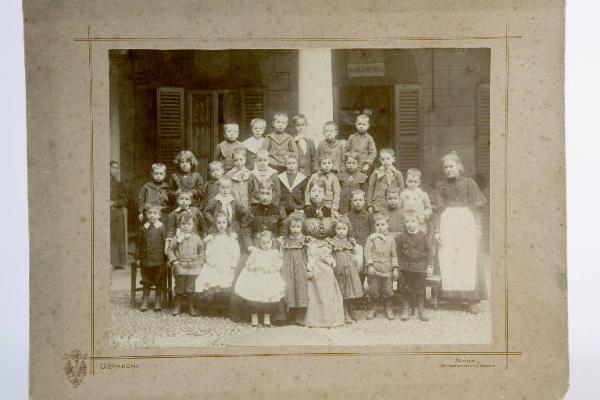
(239, 150)
(325, 158)
(299, 117)
(386, 150)
(186, 155)
(266, 185)
(381, 217)
(413, 172)
(352, 155)
(280, 114)
(159, 166)
(363, 116)
(262, 153)
(258, 121)
(183, 192)
(392, 190)
(231, 125)
(215, 164)
(291, 156)
(410, 213)
(330, 123)
(452, 156)
(224, 179)
(318, 182)
(156, 207)
(358, 192)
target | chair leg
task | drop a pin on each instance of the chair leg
(133, 278)
(434, 296)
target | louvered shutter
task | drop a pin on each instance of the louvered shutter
(251, 100)
(483, 154)
(202, 134)
(170, 124)
(407, 140)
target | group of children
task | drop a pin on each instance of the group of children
(287, 229)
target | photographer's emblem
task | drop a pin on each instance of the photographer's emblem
(75, 366)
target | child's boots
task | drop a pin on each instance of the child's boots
(158, 297)
(371, 313)
(191, 300)
(421, 308)
(177, 306)
(347, 317)
(145, 296)
(389, 311)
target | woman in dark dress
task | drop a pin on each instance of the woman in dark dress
(118, 219)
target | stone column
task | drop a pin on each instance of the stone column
(315, 89)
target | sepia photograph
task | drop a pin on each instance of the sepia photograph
(278, 197)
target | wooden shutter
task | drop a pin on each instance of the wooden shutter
(202, 134)
(170, 124)
(483, 155)
(251, 101)
(407, 138)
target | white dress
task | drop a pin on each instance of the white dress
(260, 281)
(222, 256)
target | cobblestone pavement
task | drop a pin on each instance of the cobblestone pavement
(135, 329)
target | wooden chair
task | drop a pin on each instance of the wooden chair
(167, 286)
(435, 283)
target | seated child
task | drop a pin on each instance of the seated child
(224, 150)
(265, 215)
(346, 271)
(304, 145)
(150, 255)
(155, 192)
(240, 177)
(332, 185)
(381, 179)
(263, 173)
(260, 283)
(362, 143)
(330, 148)
(279, 143)
(350, 179)
(211, 188)
(186, 254)
(382, 266)
(293, 186)
(187, 178)
(413, 198)
(415, 258)
(222, 257)
(394, 211)
(254, 142)
(184, 201)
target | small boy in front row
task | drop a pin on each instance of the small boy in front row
(155, 192)
(186, 254)
(383, 178)
(381, 261)
(150, 255)
(415, 256)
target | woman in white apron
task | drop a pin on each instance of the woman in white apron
(457, 200)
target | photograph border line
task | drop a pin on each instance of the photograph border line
(505, 353)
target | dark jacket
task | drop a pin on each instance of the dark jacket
(415, 252)
(150, 245)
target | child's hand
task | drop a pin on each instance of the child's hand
(335, 215)
(141, 217)
(370, 209)
(429, 270)
(371, 270)
(421, 218)
(365, 168)
(309, 275)
(437, 238)
(395, 274)
(353, 241)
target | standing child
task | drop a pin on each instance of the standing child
(350, 179)
(362, 143)
(330, 148)
(186, 254)
(263, 173)
(346, 271)
(187, 178)
(279, 143)
(414, 198)
(415, 256)
(260, 283)
(332, 185)
(224, 150)
(155, 192)
(150, 255)
(215, 172)
(240, 177)
(360, 219)
(293, 186)
(184, 201)
(254, 142)
(222, 257)
(383, 178)
(382, 266)
(394, 211)
(305, 146)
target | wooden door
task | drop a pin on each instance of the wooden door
(201, 137)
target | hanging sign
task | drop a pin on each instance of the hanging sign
(361, 70)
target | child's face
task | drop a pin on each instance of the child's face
(232, 132)
(265, 243)
(258, 130)
(317, 193)
(216, 172)
(358, 202)
(393, 200)
(300, 126)
(186, 226)
(351, 165)
(221, 224)
(225, 188)
(386, 159)
(185, 165)
(330, 132)
(265, 196)
(239, 160)
(412, 182)
(262, 163)
(381, 226)
(292, 165)
(326, 165)
(341, 231)
(152, 215)
(411, 223)
(451, 169)
(295, 227)
(158, 175)
(362, 125)
(184, 201)
(280, 123)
